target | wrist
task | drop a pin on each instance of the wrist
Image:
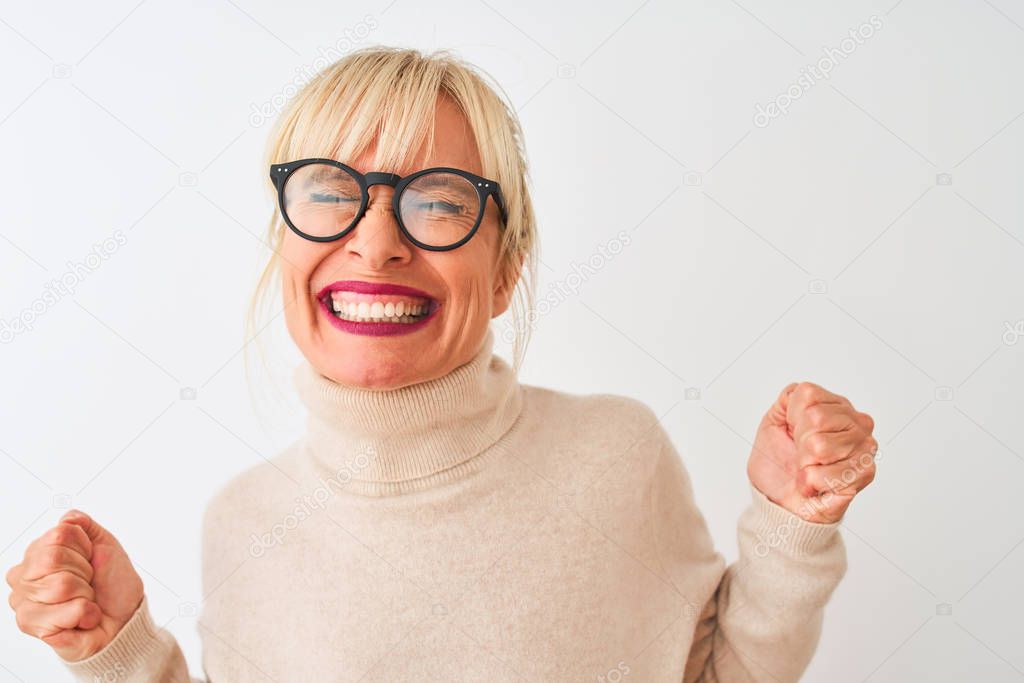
(133, 642)
(776, 527)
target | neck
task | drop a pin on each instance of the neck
(379, 442)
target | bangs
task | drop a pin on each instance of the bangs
(389, 101)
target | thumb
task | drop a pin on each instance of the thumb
(91, 617)
(91, 527)
(778, 415)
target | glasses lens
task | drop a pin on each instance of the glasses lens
(321, 200)
(440, 208)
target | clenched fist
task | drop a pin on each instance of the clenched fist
(75, 588)
(813, 453)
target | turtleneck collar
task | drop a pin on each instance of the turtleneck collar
(381, 442)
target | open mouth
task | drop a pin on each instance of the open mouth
(371, 308)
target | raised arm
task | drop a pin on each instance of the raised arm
(77, 591)
(760, 618)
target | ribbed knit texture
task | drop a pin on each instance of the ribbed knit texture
(472, 528)
(413, 437)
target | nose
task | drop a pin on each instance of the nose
(377, 239)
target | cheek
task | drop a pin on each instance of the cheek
(471, 275)
(299, 260)
(298, 263)
(467, 280)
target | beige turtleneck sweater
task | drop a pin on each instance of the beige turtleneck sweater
(472, 528)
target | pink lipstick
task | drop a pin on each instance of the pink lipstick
(376, 309)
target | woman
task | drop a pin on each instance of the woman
(439, 520)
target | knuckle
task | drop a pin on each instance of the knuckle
(869, 475)
(12, 575)
(806, 390)
(861, 436)
(63, 586)
(817, 415)
(21, 619)
(817, 445)
(50, 557)
(78, 608)
(59, 535)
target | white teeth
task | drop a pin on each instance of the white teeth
(377, 311)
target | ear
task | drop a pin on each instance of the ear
(504, 285)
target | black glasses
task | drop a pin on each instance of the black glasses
(438, 209)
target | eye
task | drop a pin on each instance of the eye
(441, 207)
(324, 198)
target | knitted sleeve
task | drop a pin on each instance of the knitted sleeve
(141, 652)
(760, 618)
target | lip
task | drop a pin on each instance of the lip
(362, 287)
(375, 329)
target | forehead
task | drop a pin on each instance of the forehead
(454, 145)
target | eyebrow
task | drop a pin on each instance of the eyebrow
(432, 180)
(325, 176)
(323, 171)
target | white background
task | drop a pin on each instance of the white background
(822, 246)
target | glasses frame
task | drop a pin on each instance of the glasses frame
(279, 174)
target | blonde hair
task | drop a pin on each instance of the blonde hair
(389, 94)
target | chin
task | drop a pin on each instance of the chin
(369, 371)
